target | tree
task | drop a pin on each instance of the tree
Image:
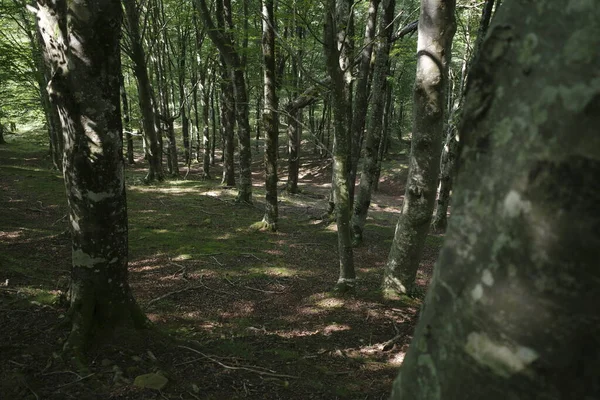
(138, 56)
(511, 311)
(81, 41)
(337, 35)
(224, 41)
(447, 163)
(373, 136)
(436, 30)
(270, 116)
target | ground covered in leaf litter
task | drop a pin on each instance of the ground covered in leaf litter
(237, 313)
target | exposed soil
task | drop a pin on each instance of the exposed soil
(236, 313)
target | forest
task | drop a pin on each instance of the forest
(300, 199)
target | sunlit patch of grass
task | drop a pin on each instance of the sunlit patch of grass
(40, 296)
(330, 303)
(277, 271)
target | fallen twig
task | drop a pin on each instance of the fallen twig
(172, 293)
(78, 380)
(243, 368)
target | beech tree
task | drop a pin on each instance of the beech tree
(512, 308)
(270, 116)
(138, 57)
(81, 41)
(436, 30)
(338, 53)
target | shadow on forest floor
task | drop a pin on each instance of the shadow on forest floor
(258, 304)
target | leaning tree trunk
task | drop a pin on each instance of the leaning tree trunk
(337, 31)
(436, 29)
(86, 65)
(138, 57)
(512, 309)
(270, 117)
(370, 166)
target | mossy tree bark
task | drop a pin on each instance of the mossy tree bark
(373, 135)
(436, 30)
(337, 46)
(270, 116)
(138, 57)
(512, 308)
(85, 56)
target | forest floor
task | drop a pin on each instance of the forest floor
(257, 306)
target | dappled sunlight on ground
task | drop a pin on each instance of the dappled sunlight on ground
(256, 300)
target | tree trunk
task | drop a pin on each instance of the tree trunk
(436, 29)
(270, 117)
(223, 40)
(362, 90)
(373, 137)
(138, 57)
(127, 122)
(511, 311)
(440, 218)
(338, 27)
(227, 127)
(87, 95)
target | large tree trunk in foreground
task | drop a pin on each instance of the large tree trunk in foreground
(85, 87)
(512, 311)
(370, 166)
(338, 56)
(436, 29)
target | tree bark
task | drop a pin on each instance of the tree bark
(227, 126)
(362, 90)
(436, 29)
(86, 65)
(270, 117)
(373, 135)
(224, 42)
(338, 27)
(138, 57)
(511, 312)
(126, 121)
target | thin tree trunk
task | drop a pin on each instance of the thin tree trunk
(511, 311)
(127, 122)
(227, 127)
(373, 138)
(436, 29)
(151, 136)
(338, 28)
(362, 90)
(223, 40)
(450, 149)
(270, 117)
